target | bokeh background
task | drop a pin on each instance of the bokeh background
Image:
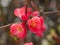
(52, 21)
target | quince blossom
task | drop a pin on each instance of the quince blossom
(20, 12)
(18, 30)
(36, 25)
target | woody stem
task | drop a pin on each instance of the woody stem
(26, 5)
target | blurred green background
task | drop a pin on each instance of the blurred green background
(52, 21)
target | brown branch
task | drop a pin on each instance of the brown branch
(34, 6)
(50, 12)
(7, 25)
(18, 22)
(26, 5)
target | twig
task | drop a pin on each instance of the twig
(26, 5)
(50, 12)
(34, 6)
(7, 25)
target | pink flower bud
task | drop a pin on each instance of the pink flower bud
(35, 13)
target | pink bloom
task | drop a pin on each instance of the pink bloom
(18, 30)
(20, 12)
(36, 25)
(35, 13)
(30, 43)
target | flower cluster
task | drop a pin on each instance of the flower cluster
(20, 12)
(35, 24)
